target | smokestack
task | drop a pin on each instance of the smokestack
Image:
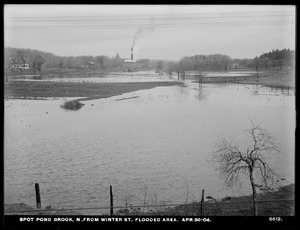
(131, 53)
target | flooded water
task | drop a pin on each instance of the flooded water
(157, 144)
(239, 73)
(141, 76)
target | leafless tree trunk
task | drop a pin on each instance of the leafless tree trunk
(253, 190)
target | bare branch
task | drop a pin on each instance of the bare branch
(231, 161)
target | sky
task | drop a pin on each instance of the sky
(153, 31)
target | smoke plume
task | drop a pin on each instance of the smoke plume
(143, 31)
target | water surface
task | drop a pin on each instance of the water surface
(160, 142)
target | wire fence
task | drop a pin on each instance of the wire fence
(282, 207)
(267, 207)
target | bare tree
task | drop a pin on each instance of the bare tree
(101, 60)
(22, 56)
(257, 63)
(38, 61)
(200, 68)
(231, 160)
(159, 65)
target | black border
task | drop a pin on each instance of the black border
(14, 222)
(230, 222)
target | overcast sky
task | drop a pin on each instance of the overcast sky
(154, 31)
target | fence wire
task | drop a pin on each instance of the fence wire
(265, 207)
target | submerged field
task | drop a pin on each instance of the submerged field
(87, 90)
(279, 78)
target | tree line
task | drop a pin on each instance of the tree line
(39, 60)
(212, 62)
(275, 59)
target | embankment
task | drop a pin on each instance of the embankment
(243, 205)
(229, 206)
(86, 90)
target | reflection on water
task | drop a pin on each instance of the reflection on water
(223, 73)
(141, 76)
(160, 139)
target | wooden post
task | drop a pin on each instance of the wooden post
(199, 82)
(111, 202)
(38, 196)
(201, 203)
(255, 208)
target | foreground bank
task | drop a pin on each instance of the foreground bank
(276, 203)
(23, 209)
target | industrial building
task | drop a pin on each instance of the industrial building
(130, 64)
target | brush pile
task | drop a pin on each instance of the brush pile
(72, 105)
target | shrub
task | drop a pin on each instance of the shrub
(72, 105)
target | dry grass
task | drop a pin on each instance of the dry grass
(232, 208)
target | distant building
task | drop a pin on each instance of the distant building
(129, 61)
(24, 66)
(17, 66)
(117, 56)
(130, 64)
(236, 66)
(91, 64)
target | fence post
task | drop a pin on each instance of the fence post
(255, 207)
(38, 196)
(200, 82)
(111, 201)
(201, 203)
